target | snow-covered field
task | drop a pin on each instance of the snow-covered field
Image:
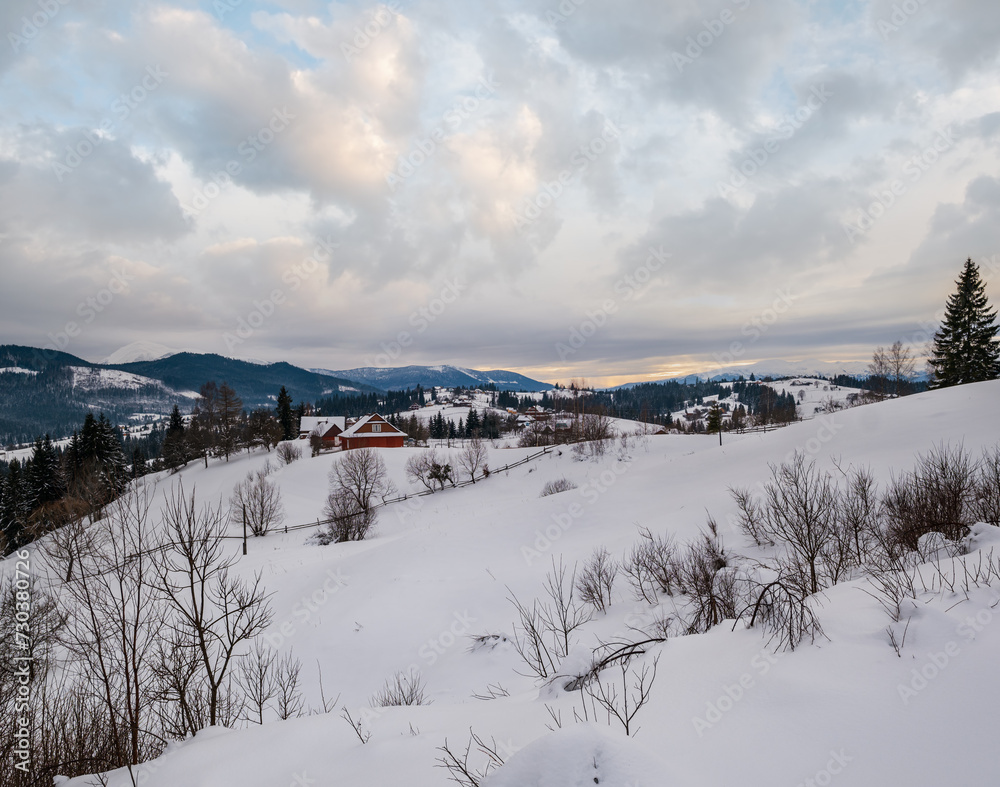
(724, 709)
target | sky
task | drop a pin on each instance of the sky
(569, 189)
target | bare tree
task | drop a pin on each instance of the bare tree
(214, 612)
(900, 365)
(256, 502)
(879, 372)
(418, 468)
(473, 457)
(288, 452)
(362, 475)
(114, 620)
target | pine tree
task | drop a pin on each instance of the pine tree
(175, 452)
(473, 424)
(965, 347)
(110, 457)
(230, 409)
(44, 475)
(14, 508)
(285, 416)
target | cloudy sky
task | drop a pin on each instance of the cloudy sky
(609, 190)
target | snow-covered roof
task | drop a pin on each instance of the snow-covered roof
(387, 427)
(321, 423)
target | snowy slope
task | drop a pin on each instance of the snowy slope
(724, 709)
(139, 351)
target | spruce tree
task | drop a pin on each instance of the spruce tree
(285, 417)
(175, 452)
(965, 347)
(44, 475)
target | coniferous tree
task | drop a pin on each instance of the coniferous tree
(965, 346)
(14, 508)
(230, 408)
(175, 451)
(45, 482)
(473, 424)
(285, 415)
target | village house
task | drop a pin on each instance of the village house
(327, 427)
(372, 431)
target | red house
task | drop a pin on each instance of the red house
(372, 431)
(327, 428)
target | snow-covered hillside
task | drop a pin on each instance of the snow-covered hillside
(724, 709)
(139, 351)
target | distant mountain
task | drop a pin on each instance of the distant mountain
(139, 351)
(257, 384)
(43, 391)
(403, 377)
(777, 368)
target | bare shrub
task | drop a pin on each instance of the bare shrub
(783, 610)
(938, 496)
(288, 452)
(457, 763)
(622, 706)
(987, 508)
(256, 502)
(597, 579)
(545, 634)
(751, 517)
(703, 576)
(651, 566)
(403, 688)
(799, 510)
(557, 486)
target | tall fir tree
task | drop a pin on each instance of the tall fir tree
(45, 482)
(175, 451)
(285, 416)
(14, 508)
(965, 347)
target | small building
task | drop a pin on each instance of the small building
(372, 431)
(327, 427)
(414, 406)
